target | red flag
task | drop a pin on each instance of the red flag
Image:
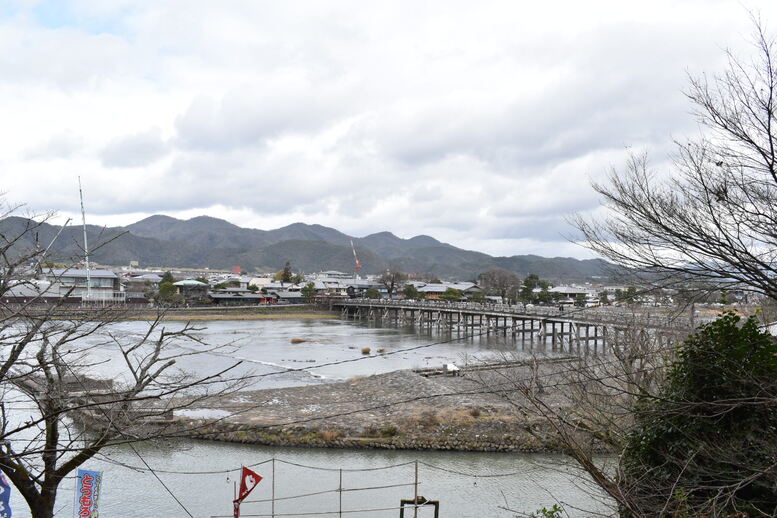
(248, 481)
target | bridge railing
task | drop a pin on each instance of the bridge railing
(589, 315)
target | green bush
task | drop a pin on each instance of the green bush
(707, 443)
(555, 511)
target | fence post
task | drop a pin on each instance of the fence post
(272, 503)
(415, 488)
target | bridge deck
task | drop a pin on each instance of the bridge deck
(573, 316)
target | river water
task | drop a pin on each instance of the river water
(467, 484)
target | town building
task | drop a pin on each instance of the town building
(103, 285)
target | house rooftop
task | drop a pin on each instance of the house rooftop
(190, 283)
(75, 272)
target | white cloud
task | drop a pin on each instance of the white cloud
(61, 145)
(479, 124)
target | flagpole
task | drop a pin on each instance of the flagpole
(235, 504)
(272, 511)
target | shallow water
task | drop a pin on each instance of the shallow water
(464, 483)
(265, 347)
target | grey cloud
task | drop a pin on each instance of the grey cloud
(247, 117)
(135, 150)
(546, 229)
(608, 96)
(481, 125)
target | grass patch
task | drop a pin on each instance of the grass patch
(389, 431)
(330, 434)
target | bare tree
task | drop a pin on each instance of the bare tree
(392, 279)
(498, 281)
(692, 434)
(57, 410)
(587, 402)
(714, 220)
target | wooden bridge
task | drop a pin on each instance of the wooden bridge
(571, 329)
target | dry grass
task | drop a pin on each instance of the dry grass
(298, 340)
(456, 416)
(330, 434)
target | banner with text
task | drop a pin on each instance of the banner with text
(5, 497)
(88, 493)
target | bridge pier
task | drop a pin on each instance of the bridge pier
(590, 333)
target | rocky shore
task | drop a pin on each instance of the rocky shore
(396, 410)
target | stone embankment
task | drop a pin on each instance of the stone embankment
(397, 410)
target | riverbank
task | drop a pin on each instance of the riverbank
(396, 410)
(200, 313)
(283, 312)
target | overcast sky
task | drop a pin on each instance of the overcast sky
(479, 123)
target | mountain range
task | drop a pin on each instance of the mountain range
(163, 241)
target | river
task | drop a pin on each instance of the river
(466, 484)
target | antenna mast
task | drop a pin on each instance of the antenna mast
(86, 245)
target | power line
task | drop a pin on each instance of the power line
(380, 468)
(489, 390)
(511, 384)
(542, 319)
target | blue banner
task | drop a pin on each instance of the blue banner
(5, 497)
(88, 494)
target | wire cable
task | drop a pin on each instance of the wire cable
(470, 475)
(338, 490)
(372, 510)
(354, 470)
